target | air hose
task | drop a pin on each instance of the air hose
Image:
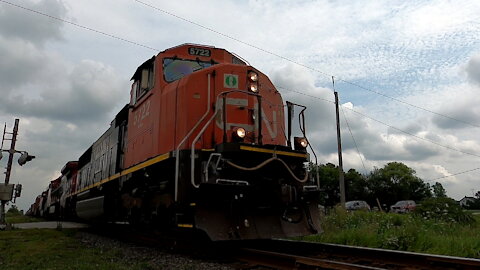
(265, 163)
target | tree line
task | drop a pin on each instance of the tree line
(394, 182)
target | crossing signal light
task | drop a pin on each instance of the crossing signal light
(24, 158)
(18, 190)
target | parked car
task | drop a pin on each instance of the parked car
(357, 205)
(403, 206)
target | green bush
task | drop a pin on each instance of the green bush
(13, 210)
(443, 209)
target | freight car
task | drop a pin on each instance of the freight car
(201, 145)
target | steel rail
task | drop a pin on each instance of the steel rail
(287, 261)
(287, 254)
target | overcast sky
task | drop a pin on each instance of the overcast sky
(407, 74)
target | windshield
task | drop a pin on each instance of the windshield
(174, 69)
(401, 203)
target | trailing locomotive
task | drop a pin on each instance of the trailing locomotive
(202, 146)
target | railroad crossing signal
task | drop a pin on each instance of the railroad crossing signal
(6, 192)
(24, 158)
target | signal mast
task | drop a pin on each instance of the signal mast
(6, 189)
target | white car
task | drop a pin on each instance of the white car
(357, 205)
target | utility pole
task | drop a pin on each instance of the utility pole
(6, 189)
(340, 160)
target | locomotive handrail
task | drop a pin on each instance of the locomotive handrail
(192, 155)
(224, 93)
(177, 151)
(208, 163)
(301, 123)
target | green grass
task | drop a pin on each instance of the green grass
(473, 212)
(401, 232)
(52, 249)
(13, 218)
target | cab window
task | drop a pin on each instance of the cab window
(175, 69)
(143, 80)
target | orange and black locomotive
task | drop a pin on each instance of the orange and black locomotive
(203, 145)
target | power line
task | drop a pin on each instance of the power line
(371, 118)
(354, 141)
(301, 64)
(450, 148)
(446, 176)
(409, 104)
(337, 101)
(413, 135)
(229, 37)
(304, 94)
(81, 26)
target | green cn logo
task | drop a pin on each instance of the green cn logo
(230, 81)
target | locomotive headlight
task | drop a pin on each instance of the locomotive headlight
(239, 132)
(300, 143)
(303, 142)
(253, 87)
(252, 76)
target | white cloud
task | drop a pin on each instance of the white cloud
(436, 18)
(89, 92)
(442, 171)
(459, 102)
(473, 69)
(15, 23)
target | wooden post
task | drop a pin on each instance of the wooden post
(340, 160)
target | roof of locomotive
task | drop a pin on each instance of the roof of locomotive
(212, 53)
(71, 165)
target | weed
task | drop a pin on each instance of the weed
(411, 232)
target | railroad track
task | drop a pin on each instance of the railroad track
(284, 254)
(289, 254)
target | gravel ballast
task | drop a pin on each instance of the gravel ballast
(151, 257)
